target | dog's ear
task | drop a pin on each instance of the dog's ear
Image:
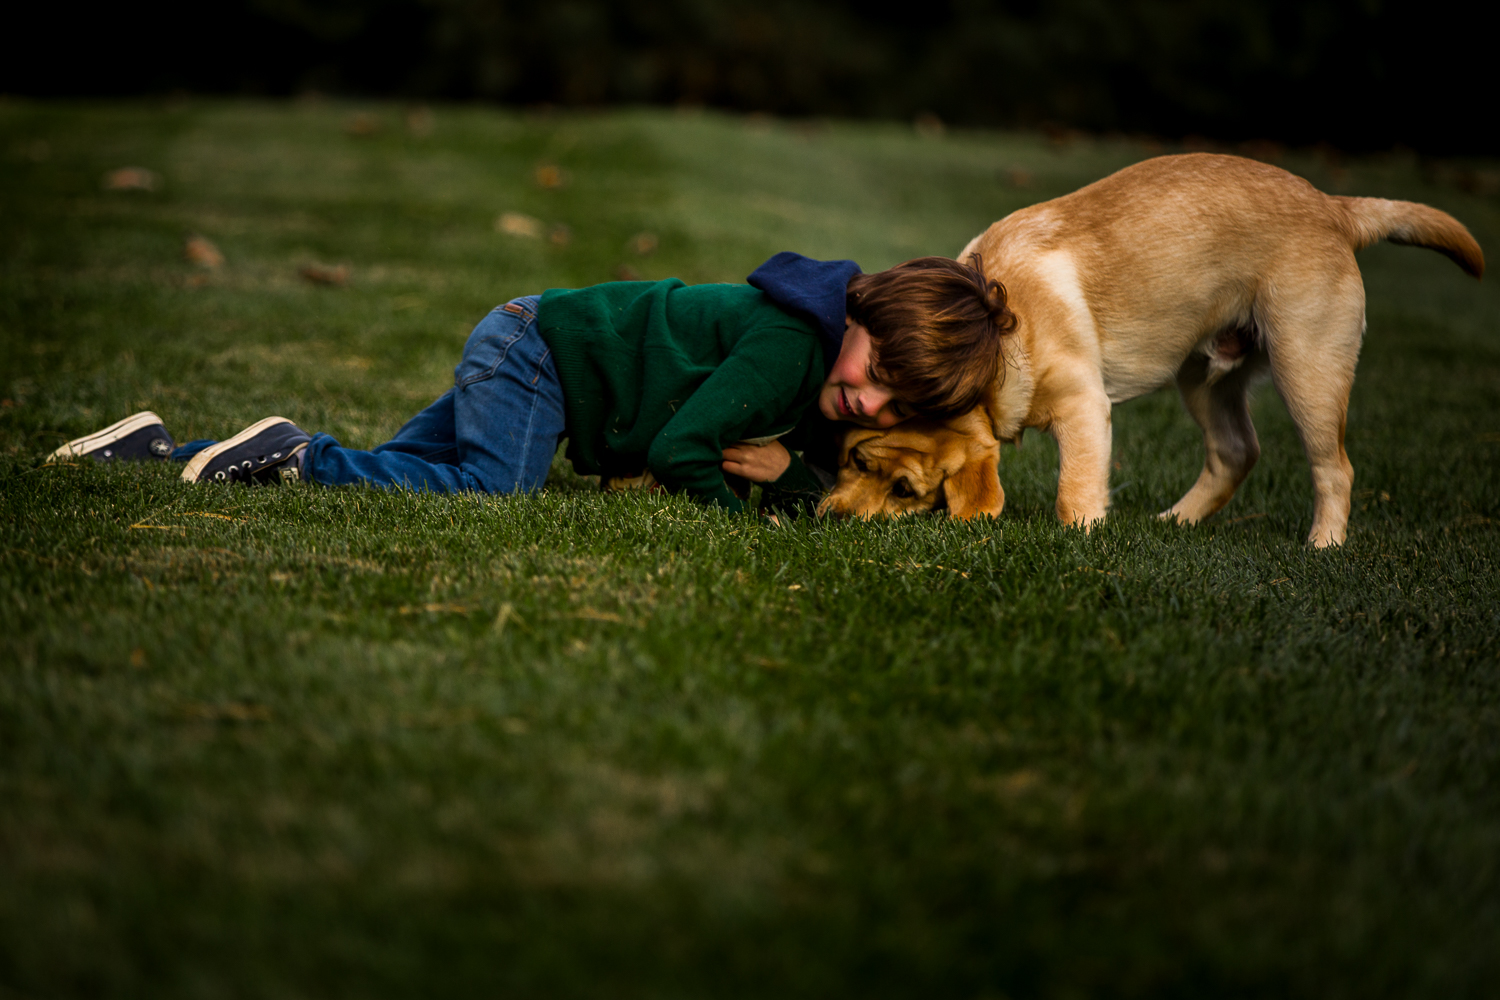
(852, 438)
(975, 490)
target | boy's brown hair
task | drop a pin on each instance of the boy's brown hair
(936, 325)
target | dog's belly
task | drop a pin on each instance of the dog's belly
(1134, 376)
(1134, 362)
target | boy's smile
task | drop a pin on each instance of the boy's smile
(851, 394)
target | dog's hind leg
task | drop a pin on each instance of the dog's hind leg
(1222, 409)
(1313, 346)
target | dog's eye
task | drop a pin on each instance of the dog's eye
(859, 463)
(901, 488)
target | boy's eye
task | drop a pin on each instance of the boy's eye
(901, 488)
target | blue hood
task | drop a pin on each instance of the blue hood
(810, 289)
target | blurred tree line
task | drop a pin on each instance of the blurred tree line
(1360, 74)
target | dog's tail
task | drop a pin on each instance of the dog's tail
(1373, 219)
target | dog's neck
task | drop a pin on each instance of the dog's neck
(1010, 403)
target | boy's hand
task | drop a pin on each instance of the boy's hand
(759, 463)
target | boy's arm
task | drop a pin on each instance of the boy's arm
(755, 386)
(797, 486)
(802, 485)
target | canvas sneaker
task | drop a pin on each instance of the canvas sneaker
(267, 452)
(140, 437)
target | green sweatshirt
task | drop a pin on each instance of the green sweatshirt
(661, 375)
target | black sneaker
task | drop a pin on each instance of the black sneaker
(138, 438)
(266, 452)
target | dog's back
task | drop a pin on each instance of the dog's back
(1141, 267)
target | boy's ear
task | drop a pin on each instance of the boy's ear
(975, 490)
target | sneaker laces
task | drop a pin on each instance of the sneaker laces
(246, 469)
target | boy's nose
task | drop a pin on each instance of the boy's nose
(871, 401)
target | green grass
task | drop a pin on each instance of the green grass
(317, 742)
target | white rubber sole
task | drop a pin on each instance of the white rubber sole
(198, 461)
(114, 432)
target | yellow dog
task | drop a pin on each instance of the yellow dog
(1213, 271)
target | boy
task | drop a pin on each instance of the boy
(688, 383)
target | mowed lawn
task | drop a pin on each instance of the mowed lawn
(311, 742)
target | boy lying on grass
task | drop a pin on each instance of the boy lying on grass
(690, 383)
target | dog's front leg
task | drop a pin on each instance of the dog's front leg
(1082, 427)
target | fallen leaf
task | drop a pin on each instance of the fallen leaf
(419, 121)
(363, 124)
(627, 273)
(595, 615)
(643, 244)
(323, 274)
(132, 179)
(550, 176)
(200, 251)
(928, 125)
(560, 235)
(516, 224)
(234, 711)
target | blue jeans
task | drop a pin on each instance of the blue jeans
(495, 431)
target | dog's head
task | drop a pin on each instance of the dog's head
(919, 465)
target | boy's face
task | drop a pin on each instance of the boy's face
(850, 393)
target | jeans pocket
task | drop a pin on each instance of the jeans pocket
(486, 350)
(492, 340)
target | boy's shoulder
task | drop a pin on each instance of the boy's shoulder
(633, 303)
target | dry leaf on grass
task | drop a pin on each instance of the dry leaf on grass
(419, 121)
(550, 176)
(323, 274)
(200, 251)
(363, 124)
(928, 125)
(643, 244)
(132, 179)
(560, 235)
(627, 273)
(516, 224)
(233, 711)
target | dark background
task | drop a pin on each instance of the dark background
(1357, 74)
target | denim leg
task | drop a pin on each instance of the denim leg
(185, 452)
(508, 406)
(494, 432)
(422, 455)
(429, 435)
